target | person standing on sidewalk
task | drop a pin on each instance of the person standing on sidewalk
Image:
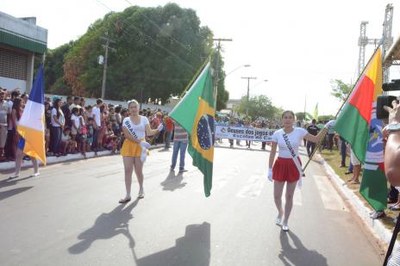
(5, 111)
(96, 114)
(180, 145)
(287, 167)
(169, 128)
(134, 148)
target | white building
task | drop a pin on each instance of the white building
(20, 41)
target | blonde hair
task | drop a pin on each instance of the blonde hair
(133, 101)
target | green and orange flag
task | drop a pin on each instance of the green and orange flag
(358, 125)
(196, 114)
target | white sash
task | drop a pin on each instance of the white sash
(295, 158)
(128, 125)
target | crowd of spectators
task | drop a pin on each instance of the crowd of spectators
(72, 126)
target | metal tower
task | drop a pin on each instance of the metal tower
(386, 40)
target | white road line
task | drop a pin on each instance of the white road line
(330, 198)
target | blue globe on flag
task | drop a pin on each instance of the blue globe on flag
(206, 132)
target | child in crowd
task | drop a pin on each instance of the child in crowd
(68, 145)
(110, 139)
(75, 123)
(90, 132)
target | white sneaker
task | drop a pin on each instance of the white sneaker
(285, 227)
(36, 174)
(141, 194)
(278, 221)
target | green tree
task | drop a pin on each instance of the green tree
(157, 52)
(258, 106)
(340, 90)
(54, 70)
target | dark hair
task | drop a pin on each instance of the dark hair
(118, 108)
(74, 110)
(15, 94)
(55, 105)
(288, 111)
(17, 106)
(99, 101)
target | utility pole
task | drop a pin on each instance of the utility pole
(106, 47)
(248, 86)
(248, 92)
(216, 78)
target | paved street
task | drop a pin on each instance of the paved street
(70, 216)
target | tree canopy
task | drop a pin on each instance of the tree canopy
(340, 90)
(258, 106)
(155, 53)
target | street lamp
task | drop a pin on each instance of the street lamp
(230, 72)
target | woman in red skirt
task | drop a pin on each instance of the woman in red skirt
(287, 167)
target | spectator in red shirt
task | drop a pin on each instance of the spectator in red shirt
(169, 127)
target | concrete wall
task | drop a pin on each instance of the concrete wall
(23, 28)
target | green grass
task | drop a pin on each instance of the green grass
(333, 159)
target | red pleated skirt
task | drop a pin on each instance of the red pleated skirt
(284, 170)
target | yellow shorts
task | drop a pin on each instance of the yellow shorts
(131, 149)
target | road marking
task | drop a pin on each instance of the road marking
(253, 187)
(330, 198)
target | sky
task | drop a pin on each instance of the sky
(299, 47)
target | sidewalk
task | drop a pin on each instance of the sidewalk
(9, 166)
(362, 209)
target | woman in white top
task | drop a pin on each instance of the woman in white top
(134, 148)
(287, 167)
(57, 126)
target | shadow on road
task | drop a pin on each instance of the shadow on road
(12, 192)
(298, 254)
(12, 182)
(106, 226)
(173, 181)
(191, 249)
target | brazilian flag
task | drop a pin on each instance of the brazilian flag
(196, 114)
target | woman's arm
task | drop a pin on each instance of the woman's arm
(129, 136)
(318, 137)
(272, 154)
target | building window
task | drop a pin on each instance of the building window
(13, 65)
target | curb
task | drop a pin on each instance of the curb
(362, 210)
(6, 166)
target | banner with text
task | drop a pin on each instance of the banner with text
(243, 133)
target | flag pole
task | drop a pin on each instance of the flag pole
(195, 76)
(341, 107)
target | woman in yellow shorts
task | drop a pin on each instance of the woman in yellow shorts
(134, 148)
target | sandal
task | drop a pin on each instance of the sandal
(13, 176)
(126, 200)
